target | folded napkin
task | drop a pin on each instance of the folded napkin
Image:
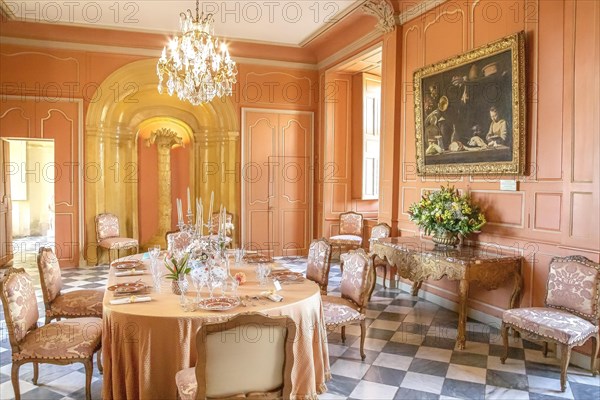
(269, 294)
(129, 273)
(130, 299)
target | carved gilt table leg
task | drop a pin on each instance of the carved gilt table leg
(462, 313)
(415, 288)
(516, 294)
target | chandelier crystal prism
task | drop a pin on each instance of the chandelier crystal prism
(196, 65)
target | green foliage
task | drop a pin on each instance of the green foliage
(176, 267)
(446, 210)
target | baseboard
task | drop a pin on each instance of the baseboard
(577, 359)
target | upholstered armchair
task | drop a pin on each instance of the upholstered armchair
(358, 282)
(262, 368)
(177, 240)
(108, 236)
(318, 263)
(77, 303)
(570, 315)
(64, 342)
(351, 230)
(379, 231)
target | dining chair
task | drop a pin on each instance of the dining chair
(248, 356)
(61, 343)
(77, 303)
(570, 313)
(108, 236)
(379, 231)
(356, 286)
(351, 230)
(177, 240)
(318, 263)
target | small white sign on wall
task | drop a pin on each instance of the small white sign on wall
(509, 185)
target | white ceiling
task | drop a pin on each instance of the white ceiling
(283, 22)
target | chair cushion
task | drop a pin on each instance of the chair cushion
(107, 226)
(50, 269)
(118, 243)
(21, 303)
(558, 325)
(351, 224)
(346, 239)
(337, 314)
(573, 285)
(78, 303)
(186, 383)
(68, 339)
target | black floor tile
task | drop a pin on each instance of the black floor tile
(429, 367)
(507, 380)
(463, 390)
(387, 376)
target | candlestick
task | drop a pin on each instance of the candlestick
(201, 218)
(189, 201)
(210, 210)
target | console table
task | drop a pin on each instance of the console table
(419, 259)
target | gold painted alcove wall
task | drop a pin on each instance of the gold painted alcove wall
(121, 103)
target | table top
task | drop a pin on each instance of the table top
(459, 255)
(166, 304)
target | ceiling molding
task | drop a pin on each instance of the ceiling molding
(136, 51)
(357, 4)
(417, 10)
(339, 55)
(383, 11)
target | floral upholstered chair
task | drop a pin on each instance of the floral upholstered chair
(77, 303)
(358, 282)
(351, 230)
(318, 264)
(65, 342)
(262, 368)
(379, 231)
(571, 312)
(215, 224)
(108, 236)
(177, 240)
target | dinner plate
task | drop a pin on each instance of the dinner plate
(257, 259)
(127, 287)
(127, 264)
(287, 276)
(219, 303)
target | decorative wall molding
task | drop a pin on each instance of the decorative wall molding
(382, 10)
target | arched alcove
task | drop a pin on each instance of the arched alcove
(124, 102)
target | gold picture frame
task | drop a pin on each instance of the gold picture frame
(470, 111)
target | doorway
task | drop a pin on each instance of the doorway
(32, 173)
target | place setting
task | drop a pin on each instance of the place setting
(129, 292)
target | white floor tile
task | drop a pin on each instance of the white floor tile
(511, 365)
(350, 369)
(374, 391)
(7, 392)
(423, 382)
(387, 325)
(434, 354)
(371, 344)
(393, 361)
(501, 393)
(466, 373)
(548, 386)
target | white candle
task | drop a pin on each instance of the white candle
(178, 211)
(189, 203)
(220, 220)
(201, 218)
(210, 208)
(225, 221)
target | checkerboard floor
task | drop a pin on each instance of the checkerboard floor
(410, 350)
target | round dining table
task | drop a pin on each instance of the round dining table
(144, 344)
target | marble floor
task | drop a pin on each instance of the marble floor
(410, 350)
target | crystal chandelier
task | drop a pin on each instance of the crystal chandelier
(196, 64)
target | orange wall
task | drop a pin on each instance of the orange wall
(555, 212)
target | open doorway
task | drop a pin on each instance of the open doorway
(32, 196)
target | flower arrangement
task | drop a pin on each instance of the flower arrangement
(446, 211)
(177, 267)
(240, 277)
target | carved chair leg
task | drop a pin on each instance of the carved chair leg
(35, 373)
(343, 334)
(504, 332)
(594, 355)
(565, 357)
(89, 369)
(99, 361)
(545, 350)
(363, 334)
(14, 376)
(98, 249)
(48, 319)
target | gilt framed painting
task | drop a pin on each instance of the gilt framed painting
(470, 111)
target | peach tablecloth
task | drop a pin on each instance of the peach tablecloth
(145, 344)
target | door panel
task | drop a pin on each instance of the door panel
(279, 145)
(6, 252)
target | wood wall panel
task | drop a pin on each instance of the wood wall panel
(448, 26)
(501, 208)
(547, 211)
(584, 219)
(16, 119)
